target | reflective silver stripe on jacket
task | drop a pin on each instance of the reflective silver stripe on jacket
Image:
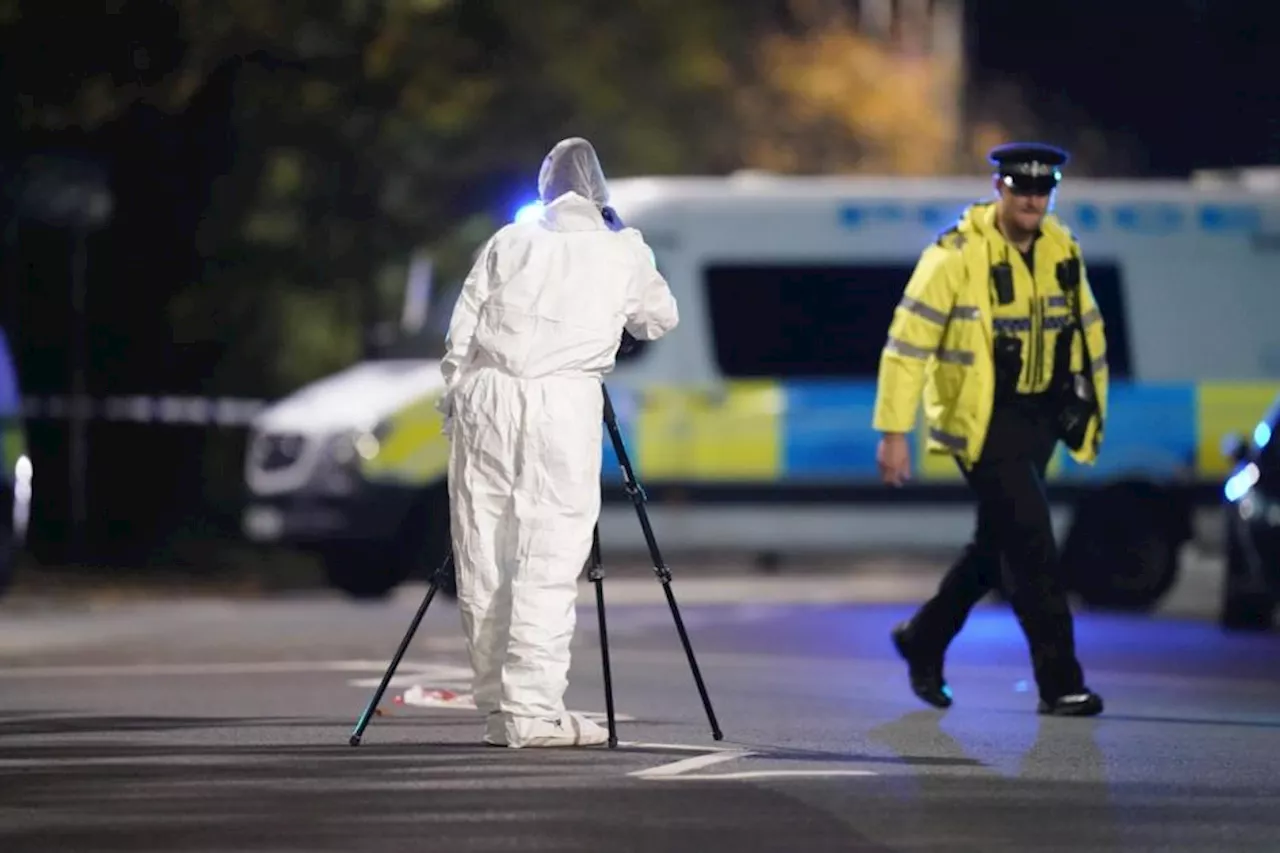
(950, 356)
(1057, 302)
(909, 350)
(933, 315)
(954, 442)
(1090, 317)
(955, 356)
(1099, 363)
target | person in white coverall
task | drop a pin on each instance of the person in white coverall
(535, 330)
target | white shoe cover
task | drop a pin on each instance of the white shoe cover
(570, 730)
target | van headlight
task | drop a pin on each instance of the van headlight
(23, 473)
(1257, 508)
(340, 467)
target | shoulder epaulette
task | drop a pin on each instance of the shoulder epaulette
(952, 238)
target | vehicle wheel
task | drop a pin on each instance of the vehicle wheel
(768, 562)
(423, 541)
(370, 570)
(1121, 552)
(363, 570)
(1248, 612)
(1243, 609)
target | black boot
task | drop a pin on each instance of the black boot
(926, 677)
(1083, 704)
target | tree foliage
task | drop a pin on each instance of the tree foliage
(829, 98)
(368, 130)
(341, 136)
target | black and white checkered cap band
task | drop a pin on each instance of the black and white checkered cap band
(1031, 168)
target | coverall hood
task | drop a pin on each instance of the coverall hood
(572, 166)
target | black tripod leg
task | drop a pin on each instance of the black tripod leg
(596, 575)
(659, 567)
(664, 575)
(395, 661)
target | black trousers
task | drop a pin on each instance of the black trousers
(1013, 548)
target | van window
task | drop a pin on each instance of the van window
(830, 320)
(1108, 289)
(820, 320)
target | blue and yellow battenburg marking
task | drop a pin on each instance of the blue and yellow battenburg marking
(769, 431)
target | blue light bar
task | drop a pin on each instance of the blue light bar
(529, 212)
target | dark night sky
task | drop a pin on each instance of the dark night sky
(1197, 83)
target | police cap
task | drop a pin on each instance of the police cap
(1030, 168)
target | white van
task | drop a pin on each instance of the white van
(749, 426)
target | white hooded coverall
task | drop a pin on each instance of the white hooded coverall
(536, 327)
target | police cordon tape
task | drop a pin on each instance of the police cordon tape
(195, 411)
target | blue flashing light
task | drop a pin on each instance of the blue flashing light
(1261, 435)
(1241, 482)
(529, 212)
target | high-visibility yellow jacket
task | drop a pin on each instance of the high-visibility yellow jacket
(941, 339)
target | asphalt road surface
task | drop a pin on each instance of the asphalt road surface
(222, 725)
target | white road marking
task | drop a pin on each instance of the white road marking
(685, 765)
(438, 676)
(762, 774)
(677, 747)
(602, 717)
(136, 760)
(419, 670)
(686, 769)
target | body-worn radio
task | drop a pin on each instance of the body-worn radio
(1007, 353)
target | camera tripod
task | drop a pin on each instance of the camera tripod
(595, 574)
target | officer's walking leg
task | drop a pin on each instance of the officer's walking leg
(975, 573)
(923, 640)
(1015, 494)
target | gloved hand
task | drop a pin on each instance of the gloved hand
(611, 218)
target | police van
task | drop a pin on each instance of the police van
(750, 425)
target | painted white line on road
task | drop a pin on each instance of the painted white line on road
(687, 769)
(460, 676)
(677, 747)
(420, 670)
(183, 760)
(763, 774)
(686, 765)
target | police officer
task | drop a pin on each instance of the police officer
(999, 329)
